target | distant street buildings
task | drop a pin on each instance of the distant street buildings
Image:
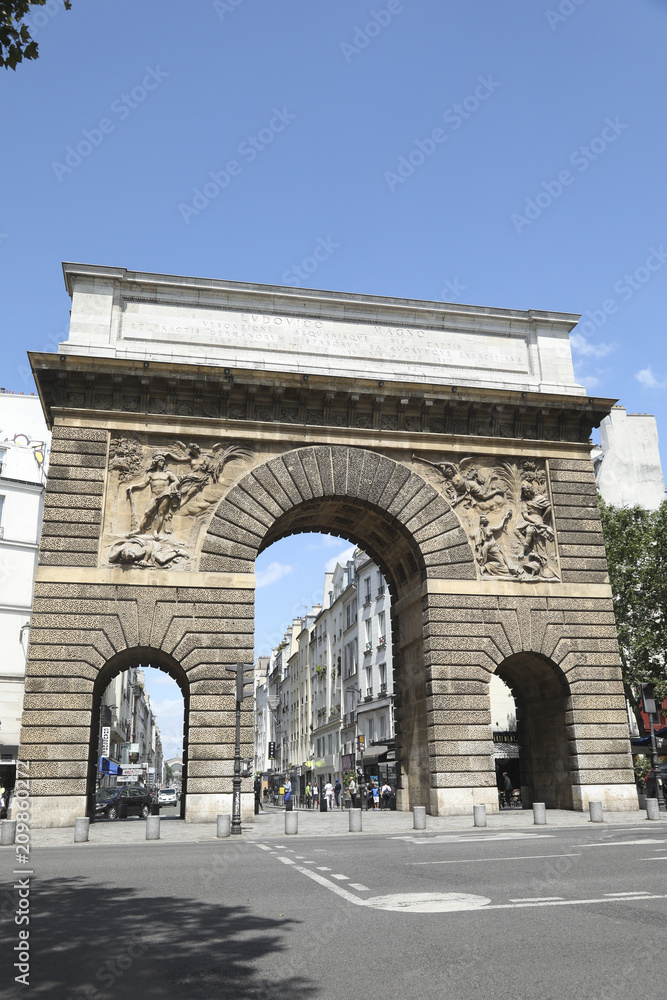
(627, 466)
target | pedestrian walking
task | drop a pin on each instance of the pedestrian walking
(315, 792)
(308, 796)
(337, 791)
(328, 794)
(369, 797)
(352, 789)
(376, 796)
(386, 796)
(257, 787)
(507, 788)
(288, 795)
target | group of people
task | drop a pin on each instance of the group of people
(329, 792)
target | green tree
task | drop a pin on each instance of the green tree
(636, 545)
(16, 42)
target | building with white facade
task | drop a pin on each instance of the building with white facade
(628, 470)
(130, 745)
(24, 451)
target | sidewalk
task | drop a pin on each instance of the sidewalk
(271, 825)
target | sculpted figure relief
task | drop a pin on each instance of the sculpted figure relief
(165, 533)
(506, 512)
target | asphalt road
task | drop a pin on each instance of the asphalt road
(554, 915)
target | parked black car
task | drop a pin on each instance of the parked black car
(108, 801)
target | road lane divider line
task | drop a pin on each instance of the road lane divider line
(574, 902)
(341, 878)
(476, 861)
(537, 899)
(637, 892)
(624, 843)
(356, 885)
(323, 868)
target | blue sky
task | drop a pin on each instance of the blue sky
(561, 103)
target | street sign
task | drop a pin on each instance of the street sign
(106, 736)
(133, 771)
(272, 751)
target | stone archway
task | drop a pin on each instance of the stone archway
(399, 519)
(196, 422)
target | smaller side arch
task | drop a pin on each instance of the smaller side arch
(543, 698)
(137, 656)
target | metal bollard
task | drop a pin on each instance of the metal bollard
(479, 815)
(419, 817)
(652, 809)
(539, 813)
(595, 810)
(291, 822)
(152, 828)
(224, 825)
(355, 820)
(8, 832)
(81, 827)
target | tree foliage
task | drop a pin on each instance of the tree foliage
(16, 42)
(636, 544)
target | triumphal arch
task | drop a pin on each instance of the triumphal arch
(197, 421)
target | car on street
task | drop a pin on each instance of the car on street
(167, 797)
(109, 801)
(651, 790)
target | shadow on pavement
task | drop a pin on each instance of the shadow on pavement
(96, 941)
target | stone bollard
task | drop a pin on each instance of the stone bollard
(595, 810)
(355, 820)
(8, 832)
(291, 822)
(224, 825)
(419, 818)
(81, 827)
(539, 813)
(152, 828)
(652, 809)
(479, 815)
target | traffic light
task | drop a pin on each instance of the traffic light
(361, 744)
(648, 697)
(245, 673)
(272, 751)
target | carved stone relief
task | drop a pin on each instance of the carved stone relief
(159, 500)
(505, 509)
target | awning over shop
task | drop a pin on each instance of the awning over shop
(107, 766)
(377, 755)
(644, 742)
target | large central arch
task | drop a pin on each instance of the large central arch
(170, 472)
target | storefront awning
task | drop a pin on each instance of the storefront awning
(107, 766)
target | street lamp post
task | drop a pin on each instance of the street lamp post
(651, 709)
(239, 669)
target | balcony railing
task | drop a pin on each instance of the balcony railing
(368, 647)
(383, 688)
(382, 642)
(369, 694)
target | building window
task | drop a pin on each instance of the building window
(3, 455)
(383, 727)
(368, 626)
(369, 682)
(383, 677)
(382, 637)
(330, 742)
(350, 615)
(380, 585)
(367, 590)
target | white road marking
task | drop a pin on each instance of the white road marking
(474, 839)
(470, 861)
(624, 843)
(361, 888)
(341, 878)
(537, 899)
(263, 847)
(574, 902)
(654, 859)
(323, 868)
(637, 892)
(286, 861)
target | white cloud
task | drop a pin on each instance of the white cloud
(274, 571)
(582, 346)
(648, 379)
(342, 557)
(589, 381)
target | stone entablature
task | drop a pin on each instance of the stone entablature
(128, 314)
